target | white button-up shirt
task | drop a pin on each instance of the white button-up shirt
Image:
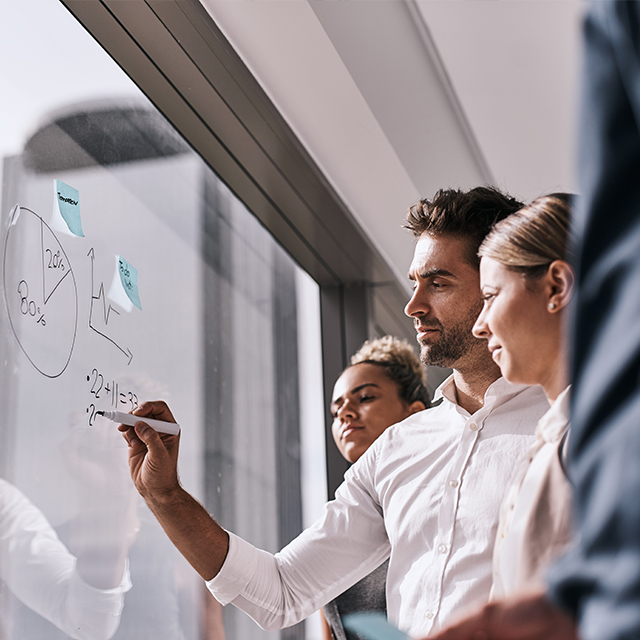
(427, 493)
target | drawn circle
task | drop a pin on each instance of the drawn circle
(40, 292)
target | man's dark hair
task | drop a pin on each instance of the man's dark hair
(465, 214)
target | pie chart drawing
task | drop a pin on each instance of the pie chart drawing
(40, 292)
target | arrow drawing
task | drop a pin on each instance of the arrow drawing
(106, 310)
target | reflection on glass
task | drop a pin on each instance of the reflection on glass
(82, 597)
(214, 331)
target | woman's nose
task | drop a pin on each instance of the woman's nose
(347, 410)
(480, 328)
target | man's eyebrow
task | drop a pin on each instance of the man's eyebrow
(355, 390)
(433, 273)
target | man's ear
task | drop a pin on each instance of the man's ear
(560, 281)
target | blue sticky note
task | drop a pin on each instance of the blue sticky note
(373, 625)
(129, 279)
(68, 200)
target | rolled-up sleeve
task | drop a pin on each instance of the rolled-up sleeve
(93, 614)
(238, 570)
(346, 544)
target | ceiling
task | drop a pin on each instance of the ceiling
(395, 99)
(514, 66)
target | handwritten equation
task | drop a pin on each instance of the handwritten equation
(110, 394)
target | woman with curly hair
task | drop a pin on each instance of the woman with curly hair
(384, 384)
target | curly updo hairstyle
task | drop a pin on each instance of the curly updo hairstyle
(400, 365)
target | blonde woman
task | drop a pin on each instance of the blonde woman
(383, 385)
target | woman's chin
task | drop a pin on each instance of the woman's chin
(514, 376)
(351, 452)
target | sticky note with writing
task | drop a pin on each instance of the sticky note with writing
(373, 625)
(124, 286)
(129, 279)
(66, 209)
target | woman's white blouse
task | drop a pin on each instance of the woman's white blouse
(535, 524)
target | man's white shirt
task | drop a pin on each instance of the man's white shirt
(427, 493)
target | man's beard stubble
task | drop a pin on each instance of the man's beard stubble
(454, 341)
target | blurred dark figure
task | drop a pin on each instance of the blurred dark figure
(600, 582)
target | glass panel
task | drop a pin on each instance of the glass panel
(131, 272)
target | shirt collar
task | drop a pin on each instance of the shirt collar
(554, 423)
(499, 390)
(446, 390)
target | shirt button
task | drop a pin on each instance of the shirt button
(428, 615)
(442, 548)
(453, 483)
(473, 426)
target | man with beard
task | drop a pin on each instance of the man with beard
(426, 494)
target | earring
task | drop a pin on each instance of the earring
(552, 306)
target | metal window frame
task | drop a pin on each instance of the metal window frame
(179, 58)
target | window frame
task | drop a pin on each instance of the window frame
(179, 58)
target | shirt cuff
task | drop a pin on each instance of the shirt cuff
(107, 601)
(236, 572)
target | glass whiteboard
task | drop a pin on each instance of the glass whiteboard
(131, 272)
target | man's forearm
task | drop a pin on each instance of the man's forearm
(153, 462)
(192, 530)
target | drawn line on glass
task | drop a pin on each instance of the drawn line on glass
(13, 221)
(106, 311)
